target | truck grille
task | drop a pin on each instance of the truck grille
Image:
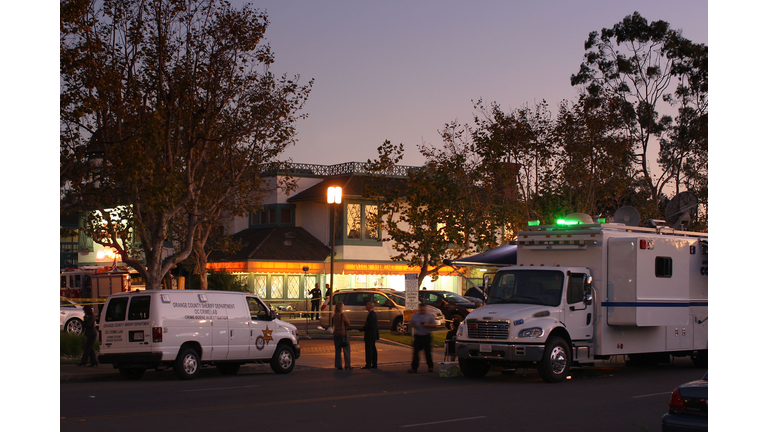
(488, 329)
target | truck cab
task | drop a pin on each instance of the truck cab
(531, 313)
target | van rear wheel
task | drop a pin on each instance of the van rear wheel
(187, 364)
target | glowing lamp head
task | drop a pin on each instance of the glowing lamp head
(334, 195)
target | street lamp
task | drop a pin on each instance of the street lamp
(334, 197)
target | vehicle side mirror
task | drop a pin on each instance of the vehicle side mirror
(588, 297)
(389, 304)
(273, 315)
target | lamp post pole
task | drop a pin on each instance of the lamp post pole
(306, 303)
(334, 197)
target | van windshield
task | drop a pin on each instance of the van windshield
(544, 287)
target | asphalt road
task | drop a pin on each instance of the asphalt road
(608, 398)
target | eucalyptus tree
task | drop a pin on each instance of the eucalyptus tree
(168, 111)
(640, 66)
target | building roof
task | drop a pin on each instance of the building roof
(276, 244)
(353, 186)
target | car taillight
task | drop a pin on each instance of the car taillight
(157, 334)
(676, 401)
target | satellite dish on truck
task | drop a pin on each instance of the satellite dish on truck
(681, 210)
(627, 215)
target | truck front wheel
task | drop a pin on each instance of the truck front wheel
(556, 363)
(474, 368)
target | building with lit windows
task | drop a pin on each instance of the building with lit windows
(294, 232)
(288, 244)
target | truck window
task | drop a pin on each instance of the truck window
(116, 309)
(664, 267)
(139, 309)
(576, 288)
(543, 287)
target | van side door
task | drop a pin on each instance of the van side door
(239, 321)
(262, 344)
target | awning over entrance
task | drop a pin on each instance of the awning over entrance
(500, 257)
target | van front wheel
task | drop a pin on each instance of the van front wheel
(284, 360)
(187, 364)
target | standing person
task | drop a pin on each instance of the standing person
(89, 324)
(450, 340)
(340, 336)
(371, 329)
(316, 296)
(422, 323)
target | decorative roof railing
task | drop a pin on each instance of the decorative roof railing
(343, 169)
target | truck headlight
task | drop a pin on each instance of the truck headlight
(531, 332)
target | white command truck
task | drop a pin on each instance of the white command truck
(581, 293)
(186, 330)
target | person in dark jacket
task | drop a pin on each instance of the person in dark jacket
(316, 297)
(371, 329)
(89, 324)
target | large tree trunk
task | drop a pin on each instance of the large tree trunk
(202, 263)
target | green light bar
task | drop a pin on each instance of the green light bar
(601, 220)
(567, 222)
(534, 223)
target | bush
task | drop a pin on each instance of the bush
(72, 345)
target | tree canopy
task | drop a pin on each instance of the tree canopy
(643, 68)
(169, 114)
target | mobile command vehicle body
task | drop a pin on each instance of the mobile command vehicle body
(581, 293)
(187, 330)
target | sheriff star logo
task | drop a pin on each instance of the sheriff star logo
(267, 334)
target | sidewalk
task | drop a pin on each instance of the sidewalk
(317, 352)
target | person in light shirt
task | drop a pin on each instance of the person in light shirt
(422, 323)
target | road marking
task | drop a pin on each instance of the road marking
(261, 404)
(653, 394)
(219, 388)
(443, 421)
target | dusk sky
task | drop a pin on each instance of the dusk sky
(399, 70)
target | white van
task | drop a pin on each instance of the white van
(186, 330)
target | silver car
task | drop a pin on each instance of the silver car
(71, 317)
(389, 307)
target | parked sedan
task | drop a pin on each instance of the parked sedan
(452, 305)
(71, 317)
(687, 408)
